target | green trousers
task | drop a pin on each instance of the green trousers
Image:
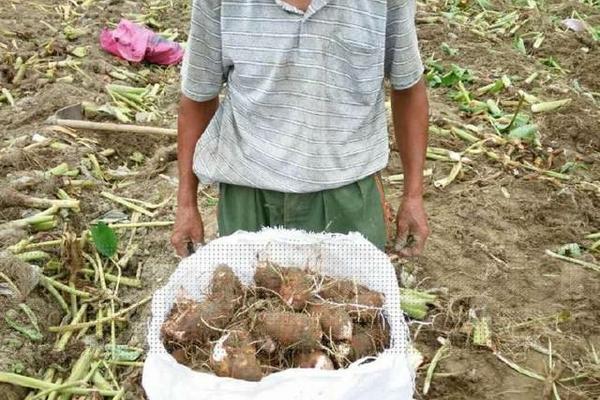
(356, 207)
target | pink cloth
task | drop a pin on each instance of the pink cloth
(133, 42)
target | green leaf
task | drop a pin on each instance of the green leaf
(525, 132)
(105, 239)
(17, 367)
(570, 250)
(433, 79)
(552, 63)
(211, 202)
(520, 120)
(80, 51)
(571, 166)
(137, 157)
(434, 65)
(455, 75)
(484, 4)
(123, 352)
(497, 87)
(449, 50)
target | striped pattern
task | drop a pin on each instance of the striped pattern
(304, 103)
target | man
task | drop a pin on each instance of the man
(301, 132)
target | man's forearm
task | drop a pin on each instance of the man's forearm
(410, 113)
(193, 119)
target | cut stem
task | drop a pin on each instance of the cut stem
(116, 315)
(585, 264)
(64, 288)
(37, 219)
(520, 369)
(32, 383)
(132, 282)
(11, 197)
(33, 256)
(431, 369)
(141, 224)
(127, 204)
(57, 296)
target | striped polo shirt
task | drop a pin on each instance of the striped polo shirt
(304, 101)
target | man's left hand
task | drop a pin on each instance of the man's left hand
(412, 228)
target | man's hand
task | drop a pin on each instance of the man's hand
(193, 119)
(410, 110)
(412, 229)
(188, 230)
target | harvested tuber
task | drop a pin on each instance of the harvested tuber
(225, 284)
(366, 306)
(289, 329)
(181, 356)
(268, 275)
(266, 345)
(193, 322)
(362, 345)
(368, 341)
(296, 288)
(290, 318)
(196, 322)
(335, 321)
(314, 359)
(234, 356)
(340, 290)
(363, 304)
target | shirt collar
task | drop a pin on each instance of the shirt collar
(314, 6)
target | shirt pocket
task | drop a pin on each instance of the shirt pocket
(355, 68)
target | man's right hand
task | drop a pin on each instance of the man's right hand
(188, 230)
(192, 120)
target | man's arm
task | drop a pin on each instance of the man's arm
(202, 77)
(193, 119)
(404, 69)
(410, 112)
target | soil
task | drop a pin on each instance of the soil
(490, 227)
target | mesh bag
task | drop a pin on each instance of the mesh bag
(389, 376)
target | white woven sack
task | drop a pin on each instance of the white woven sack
(388, 377)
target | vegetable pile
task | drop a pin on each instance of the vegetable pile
(289, 318)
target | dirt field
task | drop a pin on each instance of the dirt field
(509, 202)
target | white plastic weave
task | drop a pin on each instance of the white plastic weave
(345, 256)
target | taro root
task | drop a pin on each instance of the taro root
(381, 332)
(268, 275)
(335, 320)
(368, 341)
(245, 333)
(265, 345)
(314, 359)
(363, 305)
(293, 285)
(342, 353)
(296, 288)
(340, 290)
(289, 329)
(366, 306)
(234, 356)
(193, 322)
(225, 284)
(181, 356)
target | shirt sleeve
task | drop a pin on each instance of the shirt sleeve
(202, 72)
(403, 65)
